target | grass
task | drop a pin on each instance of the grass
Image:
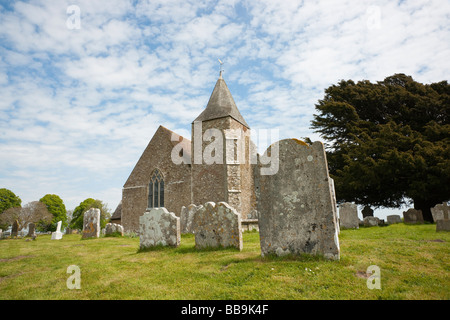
(413, 259)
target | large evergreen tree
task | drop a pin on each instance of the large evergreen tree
(388, 143)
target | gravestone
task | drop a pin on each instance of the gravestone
(443, 221)
(370, 221)
(394, 218)
(412, 216)
(57, 235)
(15, 229)
(157, 226)
(187, 215)
(113, 229)
(217, 225)
(295, 204)
(335, 209)
(348, 215)
(1, 233)
(91, 224)
(31, 230)
(439, 210)
(367, 212)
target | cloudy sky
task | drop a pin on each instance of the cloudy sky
(85, 84)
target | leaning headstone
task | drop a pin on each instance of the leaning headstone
(412, 216)
(394, 218)
(439, 210)
(31, 230)
(444, 223)
(57, 235)
(91, 223)
(187, 216)
(295, 203)
(157, 226)
(348, 215)
(371, 221)
(113, 229)
(15, 229)
(217, 225)
(367, 212)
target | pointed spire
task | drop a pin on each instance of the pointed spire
(221, 104)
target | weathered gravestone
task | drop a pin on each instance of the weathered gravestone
(57, 235)
(412, 216)
(295, 204)
(157, 226)
(1, 233)
(348, 215)
(370, 221)
(441, 216)
(335, 209)
(367, 212)
(15, 229)
(113, 229)
(439, 210)
(217, 225)
(91, 224)
(394, 218)
(187, 216)
(31, 230)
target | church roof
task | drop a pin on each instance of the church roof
(221, 104)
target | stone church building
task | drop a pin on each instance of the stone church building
(213, 166)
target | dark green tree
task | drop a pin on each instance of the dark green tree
(56, 207)
(8, 200)
(78, 213)
(388, 143)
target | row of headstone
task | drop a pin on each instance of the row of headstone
(214, 225)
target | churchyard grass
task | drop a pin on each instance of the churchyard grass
(413, 260)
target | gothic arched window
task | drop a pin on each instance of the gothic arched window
(156, 190)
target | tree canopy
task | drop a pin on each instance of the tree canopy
(32, 212)
(8, 200)
(78, 213)
(56, 207)
(388, 143)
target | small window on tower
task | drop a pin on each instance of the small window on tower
(156, 190)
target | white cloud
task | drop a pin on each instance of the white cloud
(83, 103)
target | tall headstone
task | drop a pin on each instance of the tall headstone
(412, 216)
(91, 224)
(157, 226)
(439, 210)
(335, 209)
(57, 235)
(367, 212)
(295, 204)
(217, 225)
(348, 215)
(1, 233)
(15, 229)
(31, 230)
(441, 216)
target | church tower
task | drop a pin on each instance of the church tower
(220, 154)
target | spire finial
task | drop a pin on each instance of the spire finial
(221, 69)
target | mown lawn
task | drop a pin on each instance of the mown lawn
(414, 262)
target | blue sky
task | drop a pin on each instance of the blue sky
(79, 105)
